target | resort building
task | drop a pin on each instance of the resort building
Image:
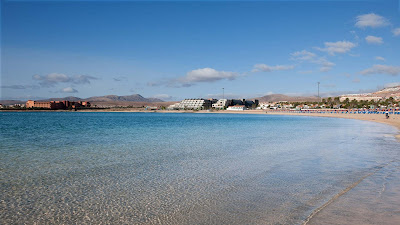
(360, 98)
(222, 104)
(237, 108)
(195, 103)
(201, 104)
(56, 104)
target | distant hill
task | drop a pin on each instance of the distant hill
(109, 99)
(11, 102)
(69, 98)
(281, 97)
(384, 93)
(126, 98)
(388, 92)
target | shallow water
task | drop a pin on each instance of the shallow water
(152, 168)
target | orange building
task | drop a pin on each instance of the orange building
(56, 104)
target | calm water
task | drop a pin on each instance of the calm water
(152, 168)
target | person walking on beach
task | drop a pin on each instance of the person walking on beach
(387, 115)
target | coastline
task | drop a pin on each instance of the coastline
(379, 189)
(394, 120)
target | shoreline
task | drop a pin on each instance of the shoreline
(337, 209)
(394, 120)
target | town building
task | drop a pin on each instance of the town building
(199, 104)
(56, 104)
(222, 104)
(237, 108)
(360, 98)
(195, 103)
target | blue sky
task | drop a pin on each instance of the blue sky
(176, 50)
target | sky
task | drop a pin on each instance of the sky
(185, 49)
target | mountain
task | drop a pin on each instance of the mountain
(69, 98)
(280, 97)
(388, 92)
(126, 98)
(384, 93)
(11, 102)
(109, 99)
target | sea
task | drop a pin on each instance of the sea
(181, 168)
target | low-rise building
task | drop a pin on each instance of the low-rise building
(360, 98)
(237, 108)
(195, 103)
(222, 104)
(56, 104)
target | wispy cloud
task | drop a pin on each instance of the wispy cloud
(303, 55)
(17, 86)
(380, 58)
(204, 75)
(396, 32)
(120, 78)
(69, 90)
(164, 97)
(52, 79)
(371, 20)
(207, 75)
(305, 72)
(382, 69)
(374, 40)
(338, 47)
(356, 80)
(395, 84)
(329, 85)
(266, 68)
(306, 56)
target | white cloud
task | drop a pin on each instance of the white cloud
(305, 71)
(396, 31)
(18, 86)
(337, 47)
(303, 55)
(374, 40)
(266, 68)
(382, 69)
(392, 84)
(163, 96)
(380, 58)
(325, 64)
(51, 79)
(371, 20)
(69, 90)
(207, 75)
(306, 56)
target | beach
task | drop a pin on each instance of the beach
(226, 168)
(374, 199)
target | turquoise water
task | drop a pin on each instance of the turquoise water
(153, 168)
